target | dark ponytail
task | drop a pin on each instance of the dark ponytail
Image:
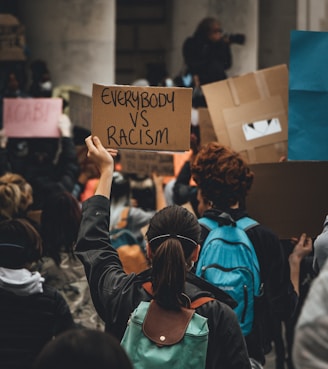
(169, 274)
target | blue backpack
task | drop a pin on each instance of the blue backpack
(166, 339)
(228, 261)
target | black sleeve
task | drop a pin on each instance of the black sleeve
(192, 56)
(63, 316)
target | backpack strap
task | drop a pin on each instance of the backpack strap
(200, 301)
(123, 221)
(194, 304)
(244, 223)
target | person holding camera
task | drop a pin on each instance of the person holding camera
(207, 55)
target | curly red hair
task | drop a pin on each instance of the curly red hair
(222, 175)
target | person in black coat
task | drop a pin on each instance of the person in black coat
(31, 313)
(174, 232)
(207, 56)
(223, 180)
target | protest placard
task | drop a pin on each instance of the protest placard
(141, 162)
(308, 96)
(290, 197)
(146, 118)
(80, 109)
(31, 117)
(207, 132)
(249, 113)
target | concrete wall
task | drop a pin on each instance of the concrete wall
(276, 20)
(312, 15)
(236, 16)
(76, 38)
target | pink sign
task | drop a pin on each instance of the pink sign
(32, 117)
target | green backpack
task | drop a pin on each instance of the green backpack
(160, 338)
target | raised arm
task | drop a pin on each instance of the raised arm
(103, 159)
(302, 248)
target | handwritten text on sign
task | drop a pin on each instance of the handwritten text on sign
(29, 117)
(148, 118)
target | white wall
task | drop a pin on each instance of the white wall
(76, 38)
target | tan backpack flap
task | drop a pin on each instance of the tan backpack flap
(166, 327)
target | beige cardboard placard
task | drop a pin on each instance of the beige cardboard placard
(145, 118)
(290, 197)
(80, 109)
(242, 122)
(141, 162)
(250, 111)
(207, 133)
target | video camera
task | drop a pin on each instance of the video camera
(236, 38)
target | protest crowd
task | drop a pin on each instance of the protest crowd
(104, 267)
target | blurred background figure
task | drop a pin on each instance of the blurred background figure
(207, 55)
(83, 349)
(31, 312)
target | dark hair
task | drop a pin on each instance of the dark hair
(173, 234)
(222, 175)
(204, 27)
(83, 349)
(60, 221)
(20, 243)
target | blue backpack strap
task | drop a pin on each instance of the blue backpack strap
(246, 223)
(208, 223)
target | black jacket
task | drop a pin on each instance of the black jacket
(280, 299)
(27, 323)
(209, 60)
(116, 294)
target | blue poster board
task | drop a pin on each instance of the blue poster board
(308, 96)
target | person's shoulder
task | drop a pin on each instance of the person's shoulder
(197, 287)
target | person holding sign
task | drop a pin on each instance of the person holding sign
(172, 245)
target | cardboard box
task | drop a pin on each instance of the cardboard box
(206, 129)
(249, 113)
(290, 197)
(12, 39)
(80, 109)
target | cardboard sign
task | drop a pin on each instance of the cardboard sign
(308, 96)
(140, 162)
(207, 132)
(290, 197)
(249, 113)
(12, 39)
(147, 118)
(80, 109)
(28, 117)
